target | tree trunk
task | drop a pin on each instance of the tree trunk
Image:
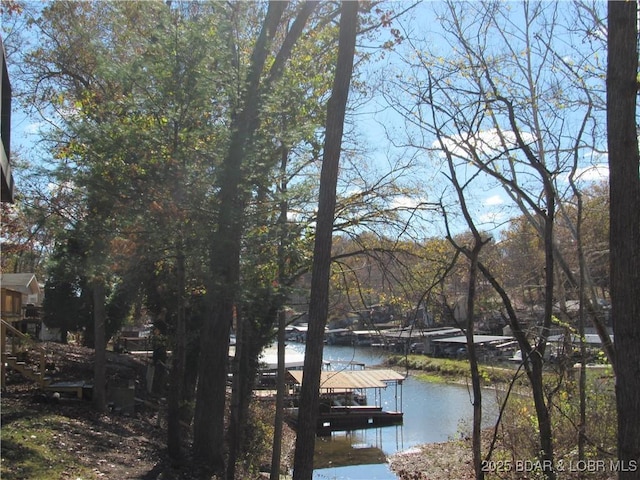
(319, 301)
(622, 87)
(255, 327)
(192, 353)
(473, 364)
(283, 233)
(208, 442)
(280, 393)
(583, 299)
(210, 408)
(100, 346)
(532, 361)
(542, 415)
(239, 392)
(473, 256)
(537, 359)
(174, 437)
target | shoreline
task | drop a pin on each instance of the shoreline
(449, 460)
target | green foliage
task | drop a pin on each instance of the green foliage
(147, 93)
(257, 446)
(67, 301)
(450, 369)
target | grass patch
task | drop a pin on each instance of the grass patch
(447, 369)
(31, 449)
(430, 377)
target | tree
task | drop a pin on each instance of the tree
(318, 304)
(622, 86)
(59, 73)
(520, 113)
(142, 124)
(65, 303)
(554, 124)
(225, 249)
(473, 255)
(26, 232)
(140, 131)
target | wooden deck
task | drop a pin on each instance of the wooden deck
(356, 418)
(346, 418)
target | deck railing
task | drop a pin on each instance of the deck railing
(21, 344)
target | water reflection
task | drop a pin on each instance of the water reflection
(368, 472)
(350, 448)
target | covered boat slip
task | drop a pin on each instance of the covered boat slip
(342, 393)
(351, 379)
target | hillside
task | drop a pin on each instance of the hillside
(46, 438)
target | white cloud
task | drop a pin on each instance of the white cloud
(33, 128)
(492, 218)
(487, 142)
(493, 201)
(491, 211)
(406, 202)
(593, 173)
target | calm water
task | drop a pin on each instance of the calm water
(433, 412)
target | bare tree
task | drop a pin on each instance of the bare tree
(522, 114)
(622, 88)
(473, 255)
(531, 133)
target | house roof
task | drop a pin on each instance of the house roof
(412, 333)
(352, 379)
(589, 338)
(25, 283)
(477, 339)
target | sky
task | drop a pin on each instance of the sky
(384, 133)
(388, 132)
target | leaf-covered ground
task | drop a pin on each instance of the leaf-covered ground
(43, 438)
(48, 438)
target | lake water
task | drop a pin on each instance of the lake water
(433, 412)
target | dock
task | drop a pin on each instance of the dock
(343, 399)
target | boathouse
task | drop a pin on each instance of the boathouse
(345, 399)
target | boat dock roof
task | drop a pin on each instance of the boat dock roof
(352, 379)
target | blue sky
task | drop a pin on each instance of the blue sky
(383, 131)
(387, 132)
